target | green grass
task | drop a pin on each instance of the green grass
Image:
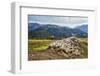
(38, 45)
(84, 44)
(40, 48)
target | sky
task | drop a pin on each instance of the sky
(68, 21)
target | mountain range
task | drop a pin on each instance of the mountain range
(83, 28)
(36, 30)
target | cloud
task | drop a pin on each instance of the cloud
(58, 20)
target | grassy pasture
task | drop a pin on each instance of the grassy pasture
(38, 45)
(84, 44)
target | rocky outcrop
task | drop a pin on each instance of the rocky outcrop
(68, 47)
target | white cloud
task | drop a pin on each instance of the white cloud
(59, 20)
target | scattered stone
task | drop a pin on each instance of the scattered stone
(68, 47)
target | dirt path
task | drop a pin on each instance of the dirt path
(45, 55)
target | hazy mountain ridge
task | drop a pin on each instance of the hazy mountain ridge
(36, 30)
(83, 28)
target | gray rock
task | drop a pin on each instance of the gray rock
(68, 47)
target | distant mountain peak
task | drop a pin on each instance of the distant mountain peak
(83, 27)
